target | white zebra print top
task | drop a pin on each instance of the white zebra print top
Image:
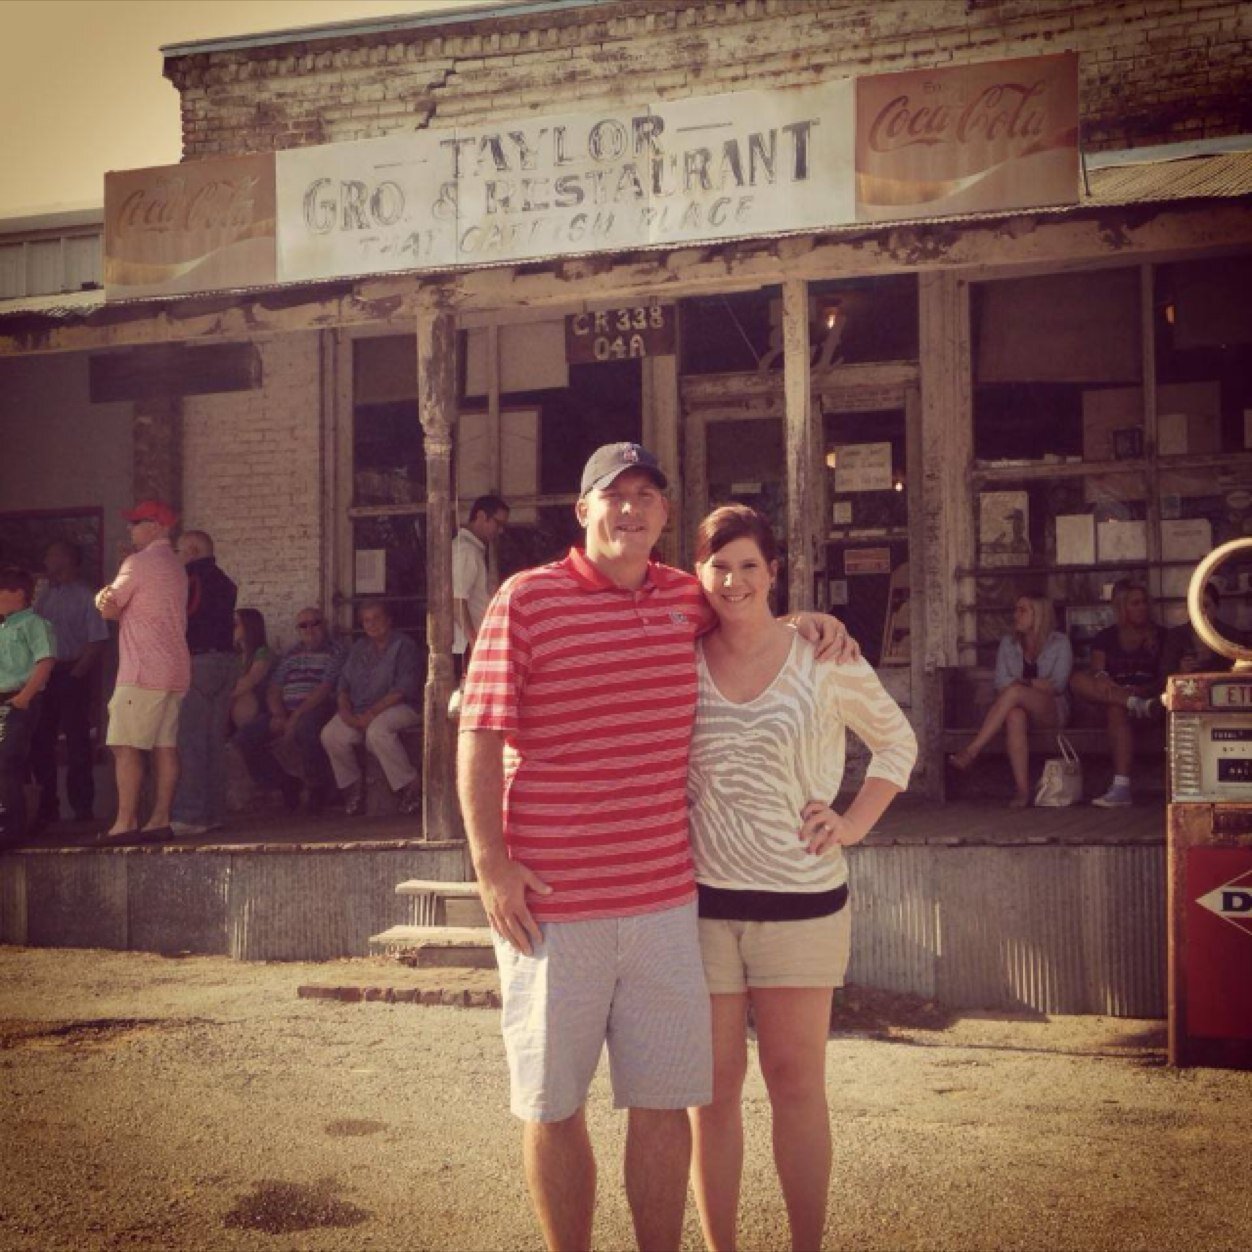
(755, 765)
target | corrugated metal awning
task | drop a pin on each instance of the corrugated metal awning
(1218, 176)
(1120, 183)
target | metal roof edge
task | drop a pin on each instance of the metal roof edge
(83, 304)
(490, 9)
(1167, 152)
(53, 219)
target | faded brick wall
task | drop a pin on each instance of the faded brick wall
(251, 478)
(1153, 71)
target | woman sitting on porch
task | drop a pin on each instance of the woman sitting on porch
(247, 700)
(1032, 672)
(767, 758)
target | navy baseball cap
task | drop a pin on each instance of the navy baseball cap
(608, 462)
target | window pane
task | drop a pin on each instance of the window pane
(389, 458)
(401, 543)
(548, 538)
(867, 528)
(858, 320)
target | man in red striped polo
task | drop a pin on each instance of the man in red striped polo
(575, 729)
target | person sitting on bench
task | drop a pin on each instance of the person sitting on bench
(379, 680)
(1032, 672)
(1124, 678)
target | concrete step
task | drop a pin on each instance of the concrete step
(438, 903)
(465, 946)
(430, 886)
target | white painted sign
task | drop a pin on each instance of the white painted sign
(362, 208)
(706, 168)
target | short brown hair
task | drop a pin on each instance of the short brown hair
(14, 578)
(735, 521)
(1123, 589)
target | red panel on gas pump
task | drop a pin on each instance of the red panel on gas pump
(1218, 955)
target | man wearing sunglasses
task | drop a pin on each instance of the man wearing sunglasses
(286, 752)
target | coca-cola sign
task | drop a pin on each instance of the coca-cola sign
(997, 135)
(969, 138)
(200, 226)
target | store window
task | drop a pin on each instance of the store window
(867, 551)
(732, 334)
(1202, 321)
(552, 417)
(388, 508)
(1076, 483)
(852, 321)
(857, 321)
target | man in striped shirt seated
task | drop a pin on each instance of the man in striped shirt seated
(575, 731)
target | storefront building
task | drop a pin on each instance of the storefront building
(953, 291)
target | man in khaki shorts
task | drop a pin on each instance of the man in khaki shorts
(585, 669)
(149, 600)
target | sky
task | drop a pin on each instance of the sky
(81, 88)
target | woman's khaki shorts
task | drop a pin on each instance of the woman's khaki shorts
(141, 718)
(739, 955)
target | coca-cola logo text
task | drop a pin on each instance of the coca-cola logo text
(1001, 112)
(220, 205)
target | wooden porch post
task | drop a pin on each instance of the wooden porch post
(947, 449)
(660, 437)
(157, 456)
(804, 485)
(947, 509)
(436, 406)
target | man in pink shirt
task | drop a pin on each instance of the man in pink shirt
(149, 599)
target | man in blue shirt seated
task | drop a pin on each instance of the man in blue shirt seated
(69, 604)
(300, 696)
(380, 680)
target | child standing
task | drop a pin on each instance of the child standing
(27, 655)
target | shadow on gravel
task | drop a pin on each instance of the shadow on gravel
(1154, 1036)
(27, 1034)
(865, 1010)
(279, 1208)
(353, 1127)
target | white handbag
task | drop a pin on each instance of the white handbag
(1060, 785)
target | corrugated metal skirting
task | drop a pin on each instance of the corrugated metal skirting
(254, 906)
(1053, 929)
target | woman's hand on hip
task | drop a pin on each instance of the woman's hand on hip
(824, 829)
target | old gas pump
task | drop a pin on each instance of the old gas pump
(1210, 844)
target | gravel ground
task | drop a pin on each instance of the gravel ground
(198, 1103)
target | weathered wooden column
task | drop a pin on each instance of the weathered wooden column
(947, 448)
(660, 437)
(436, 406)
(947, 510)
(803, 468)
(157, 450)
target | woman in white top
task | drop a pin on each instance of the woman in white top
(1032, 676)
(767, 760)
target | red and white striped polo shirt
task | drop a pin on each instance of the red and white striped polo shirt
(594, 689)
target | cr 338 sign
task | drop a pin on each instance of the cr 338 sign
(619, 334)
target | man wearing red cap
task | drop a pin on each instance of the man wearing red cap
(149, 600)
